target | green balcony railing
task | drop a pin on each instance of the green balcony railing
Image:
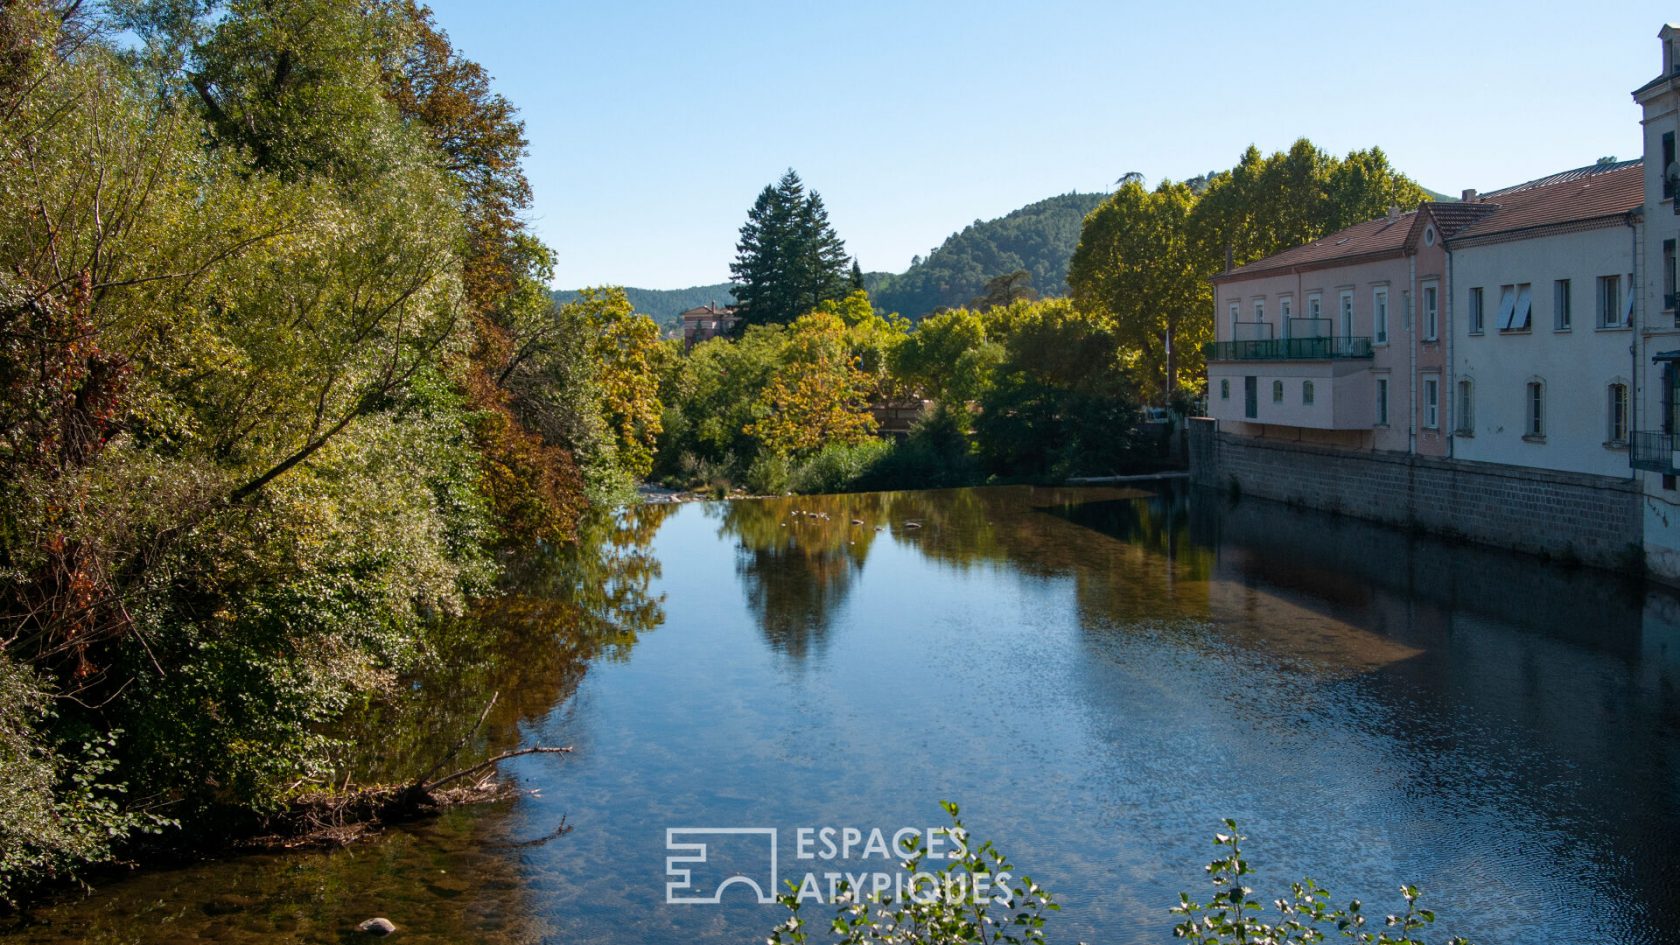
(1653, 452)
(1289, 349)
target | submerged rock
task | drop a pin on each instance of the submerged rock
(380, 926)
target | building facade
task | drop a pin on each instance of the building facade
(1542, 323)
(705, 322)
(1657, 395)
(1340, 342)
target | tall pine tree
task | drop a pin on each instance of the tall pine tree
(789, 259)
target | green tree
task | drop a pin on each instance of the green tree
(1136, 265)
(789, 259)
(949, 357)
(1001, 290)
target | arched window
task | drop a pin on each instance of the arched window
(1466, 408)
(1306, 392)
(1277, 392)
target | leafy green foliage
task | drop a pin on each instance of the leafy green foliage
(273, 352)
(957, 902)
(1061, 402)
(1233, 915)
(1145, 257)
(1038, 239)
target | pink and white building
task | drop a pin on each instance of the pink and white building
(1341, 342)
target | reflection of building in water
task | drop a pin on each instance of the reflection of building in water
(1528, 689)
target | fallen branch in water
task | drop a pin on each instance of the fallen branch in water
(338, 817)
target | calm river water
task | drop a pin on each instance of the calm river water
(1096, 675)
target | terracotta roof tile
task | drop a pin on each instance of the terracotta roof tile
(1586, 193)
(1387, 234)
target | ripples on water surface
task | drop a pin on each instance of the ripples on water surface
(1096, 675)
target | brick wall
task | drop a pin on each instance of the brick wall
(1593, 518)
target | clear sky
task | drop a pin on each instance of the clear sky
(654, 125)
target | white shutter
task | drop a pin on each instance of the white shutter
(1507, 307)
(1627, 304)
(1525, 301)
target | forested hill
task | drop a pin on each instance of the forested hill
(1039, 238)
(664, 305)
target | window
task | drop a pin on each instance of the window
(1235, 317)
(1347, 314)
(1277, 392)
(1315, 306)
(1669, 287)
(1515, 303)
(1286, 308)
(1224, 388)
(1382, 401)
(1432, 402)
(1668, 161)
(1618, 414)
(1306, 392)
(1536, 428)
(1562, 304)
(1431, 313)
(1466, 408)
(1251, 397)
(1474, 307)
(1379, 316)
(1609, 301)
(1259, 310)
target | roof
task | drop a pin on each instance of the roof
(712, 310)
(1385, 235)
(1584, 194)
(1452, 218)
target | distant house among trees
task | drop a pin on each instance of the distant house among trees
(704, 322)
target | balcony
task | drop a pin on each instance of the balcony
(1290, 349)
(1655, 452)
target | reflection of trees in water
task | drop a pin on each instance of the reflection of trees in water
(797, 557)
(531, 643)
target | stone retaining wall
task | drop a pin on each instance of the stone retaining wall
(1595, 519)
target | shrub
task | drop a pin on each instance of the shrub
(1234, 915)
(928, 913)
(839, 467)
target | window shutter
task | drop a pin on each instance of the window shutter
(1507, 307)
(1627, 305)
(1525, 302)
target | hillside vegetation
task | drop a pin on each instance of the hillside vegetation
(1039, 238)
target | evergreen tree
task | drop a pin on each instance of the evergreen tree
(857, 276)
(789, 259)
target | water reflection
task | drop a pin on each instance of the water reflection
(529, 646)
(1097, 674)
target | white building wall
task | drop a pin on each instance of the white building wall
(1577, 365)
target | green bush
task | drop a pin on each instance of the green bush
(767, 474)
(1234, 915)
(937, 454)
(929, 913)
(839, 467)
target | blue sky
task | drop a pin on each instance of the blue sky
(654, 125)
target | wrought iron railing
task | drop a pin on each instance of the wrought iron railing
(1288, 349)
(1654, 452)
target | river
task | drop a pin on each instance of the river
(1096, 675)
